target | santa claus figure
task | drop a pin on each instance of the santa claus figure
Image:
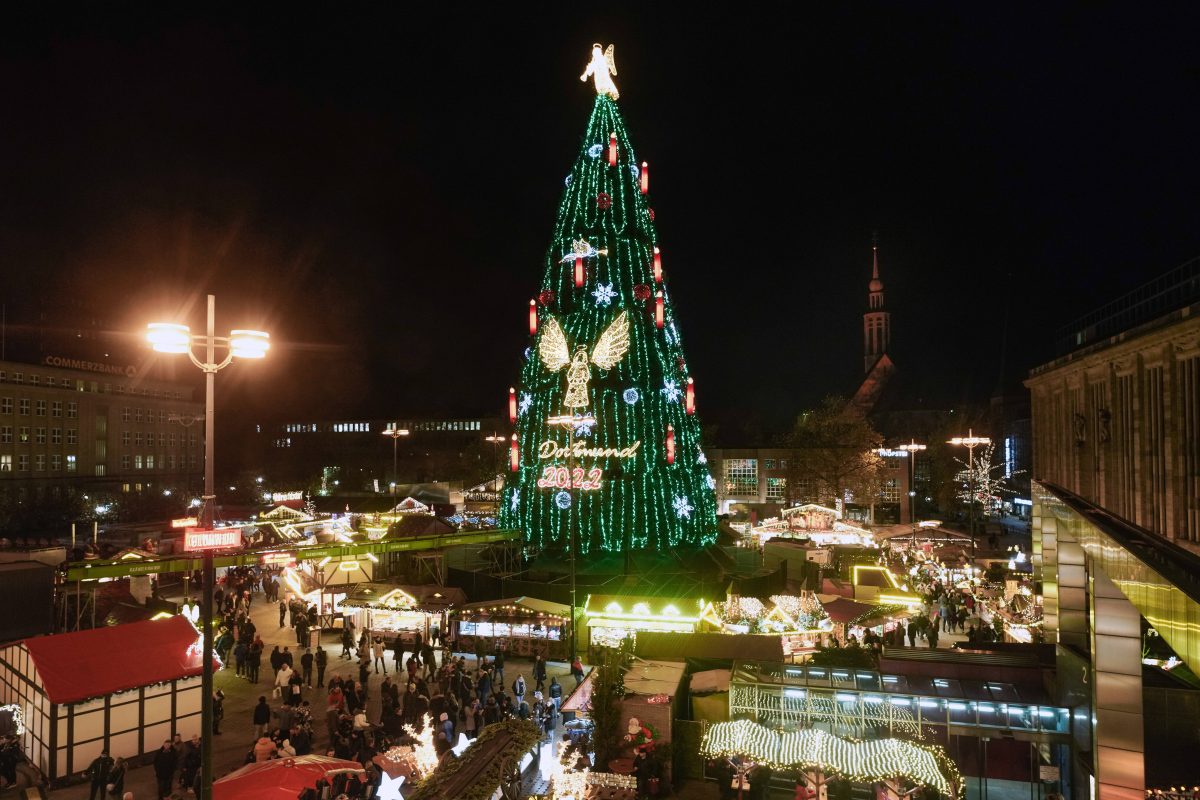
(641, 736)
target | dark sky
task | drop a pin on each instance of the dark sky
(377, 189)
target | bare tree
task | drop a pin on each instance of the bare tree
(836, 450)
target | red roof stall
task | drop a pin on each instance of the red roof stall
(124, 688)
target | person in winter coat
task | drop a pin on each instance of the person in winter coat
(447, 726)
(577, 671)
(539, 673)
(320, 659)
(306, 665)
(262, 718)
(264, 750)
(347, 644)
(281, 680)
(519, 688)
(191, 762)
(165, 760)
(116, 778)
(99, 771)
(555, 693)
(377, 651)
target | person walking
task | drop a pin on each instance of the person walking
(218, 706)
(555, 693)
(347, 644)
(577, 671)
(539, 673)
(100, 771)
(261, 718)
(116, 778)
(377, 651)
(282, 612)
(165, 761)
(321, 659)
(254, 660)
(518, 688)
(306, 666)
(498, 664)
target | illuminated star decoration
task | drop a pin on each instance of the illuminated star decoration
(563, 500)
(526, 402)
(671, 391)
(631, 396)
(682, 507)
(595, 150)
(583, 425)
(708, 480)
(581, 248)
(604, 294)
(389, 788)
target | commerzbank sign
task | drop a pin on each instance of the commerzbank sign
(128, 371)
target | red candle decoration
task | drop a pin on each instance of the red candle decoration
(514, 455)
(512, 405)
(689, 401)
(579, 273)
(657, 266)
(645, 177)
(612, 149)
(658, 310)
(533, 320)
(670, 444)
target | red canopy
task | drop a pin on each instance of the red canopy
(85, 664)
(842, 610)
(280, 778)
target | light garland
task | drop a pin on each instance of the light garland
(423, 754)
(18, 717)
(870, 761)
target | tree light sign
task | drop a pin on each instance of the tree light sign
(565, 478)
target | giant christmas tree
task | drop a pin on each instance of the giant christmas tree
(607, 442)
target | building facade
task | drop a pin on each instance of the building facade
(70, 425)
(1118, 423)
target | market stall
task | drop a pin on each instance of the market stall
(123, 688)
(402, 610)
(523, 625)
(287, 778)
(614, 618)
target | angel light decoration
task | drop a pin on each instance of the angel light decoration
(608, 351)
(598, 69)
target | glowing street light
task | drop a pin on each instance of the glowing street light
(172, 337)
(395, 433)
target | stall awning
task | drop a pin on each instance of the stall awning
(281, 779)
(842, 610)
(78, 666)
(513, 607)
(424, 597)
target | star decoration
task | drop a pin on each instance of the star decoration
(701, 459)
(604, 294)
(583, 425)
(595, 150)
(514, 501)
(389, 788)
(708, 480)
(671, 391)
(526, 402)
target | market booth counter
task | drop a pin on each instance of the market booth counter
(123, 689)
(403, 610)
(524, 625)
(614, 618)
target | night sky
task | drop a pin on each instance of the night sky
(377, 189)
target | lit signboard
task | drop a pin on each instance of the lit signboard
(216, 539)
(186, 522)
(277, 558)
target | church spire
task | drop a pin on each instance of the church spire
(877, 323)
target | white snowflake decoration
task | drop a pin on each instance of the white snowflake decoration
(634, 171)
(671, 391)
(701, 459)
(595, 150)
(583, 425)
(604, 294)
(525, 404)
(709, 481)
(514, 502)
(631, 396)
(682, 507)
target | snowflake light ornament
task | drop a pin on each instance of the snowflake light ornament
(563, 500)
(631, 396)
(671, 391)
(701, 459)
(604, 294)
(514, 502)
(709, 481)
(595, 150)
(525, 404)
(567, 181)
(634, 171)
(583, 425)
(683, 509)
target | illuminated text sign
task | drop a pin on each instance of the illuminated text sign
(217, 539)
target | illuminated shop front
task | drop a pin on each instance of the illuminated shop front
(403, 610)
(613, 618)
(523, 625)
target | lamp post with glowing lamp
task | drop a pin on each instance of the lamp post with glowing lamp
(395, 434)
(569, 422)
(169, 337)
(912, 448)
(970, 441)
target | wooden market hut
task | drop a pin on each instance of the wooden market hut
(523, 625)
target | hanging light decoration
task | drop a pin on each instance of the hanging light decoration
(657, 266)
(689, 400)
(579, 272)
(514, 455)
(658, 310)
(533, 320)
(512, 405)
(645, 177)
(612, 149)
(670, 443)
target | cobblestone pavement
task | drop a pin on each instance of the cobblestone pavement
(237, 731)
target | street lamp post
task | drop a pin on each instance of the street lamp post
(496, 439)
(395, 434)
(970, 441)
(912, 448)
(568, 422)
(166, 337)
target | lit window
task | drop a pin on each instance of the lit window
(150, 461)
(768, 463)
(5, 463)
(776, 488)
(741, 476)
(137, 461)
(23, 434)
(70, 463)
